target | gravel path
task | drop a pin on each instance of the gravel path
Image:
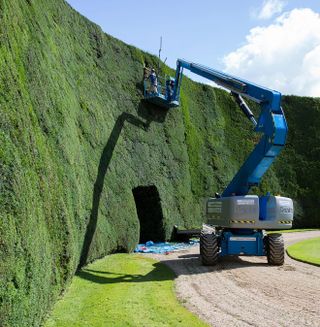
(246, 291)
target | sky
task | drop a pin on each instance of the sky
(275, 43)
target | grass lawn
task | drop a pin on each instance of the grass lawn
(306, 251)
(122, 290)
(293, 230)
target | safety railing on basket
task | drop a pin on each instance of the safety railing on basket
(161, 86)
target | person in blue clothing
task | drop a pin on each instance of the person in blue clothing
(170, 89)
(153, 81)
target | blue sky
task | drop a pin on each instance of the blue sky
(234, 36)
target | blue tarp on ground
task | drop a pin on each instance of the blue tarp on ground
(164, 247)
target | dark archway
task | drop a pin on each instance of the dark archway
(149, 212)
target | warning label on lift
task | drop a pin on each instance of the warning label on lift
(245, 202)
(214, 207)
(241, 239)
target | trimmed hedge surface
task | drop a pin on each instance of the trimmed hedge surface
(76, 139)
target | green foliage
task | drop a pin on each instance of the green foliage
(306, 251)
(298, 167)
(122, 290)
(76, 138)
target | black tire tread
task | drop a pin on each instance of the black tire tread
(275, 249)
(209, 249)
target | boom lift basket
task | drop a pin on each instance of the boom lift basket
(162, 95)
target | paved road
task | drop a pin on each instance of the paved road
(246, 291)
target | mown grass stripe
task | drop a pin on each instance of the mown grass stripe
(307, 251)
(122, 290)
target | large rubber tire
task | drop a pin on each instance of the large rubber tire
(275, 249)
(209, 249)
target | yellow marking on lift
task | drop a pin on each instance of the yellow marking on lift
(242, 221)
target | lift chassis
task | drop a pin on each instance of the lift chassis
(239, 219)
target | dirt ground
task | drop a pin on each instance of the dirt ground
(246, 291)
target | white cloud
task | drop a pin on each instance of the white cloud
(284, 55)
(270, 8)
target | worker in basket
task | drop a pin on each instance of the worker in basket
(153, 81)
(169, 89)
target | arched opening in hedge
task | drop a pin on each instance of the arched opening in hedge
(149, 212)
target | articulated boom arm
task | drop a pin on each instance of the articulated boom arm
(271, 123)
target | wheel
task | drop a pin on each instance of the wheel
(209, 249)
(275, 249)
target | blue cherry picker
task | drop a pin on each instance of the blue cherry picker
(239, 220)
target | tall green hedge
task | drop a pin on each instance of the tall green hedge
(76, 138)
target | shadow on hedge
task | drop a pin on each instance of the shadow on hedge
(145, 111)
(104, 163)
